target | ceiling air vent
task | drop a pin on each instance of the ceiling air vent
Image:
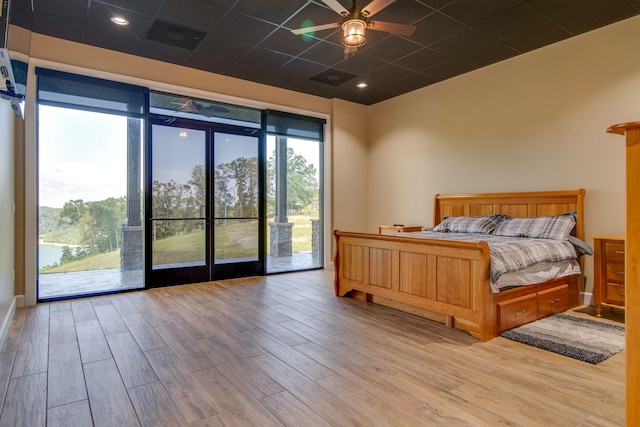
(333, 77)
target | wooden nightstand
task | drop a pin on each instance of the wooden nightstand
(391, 229)
(608, 267)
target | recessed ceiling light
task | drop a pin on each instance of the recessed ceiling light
(362, 85)
(119, 20)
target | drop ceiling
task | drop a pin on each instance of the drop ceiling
(251, 39)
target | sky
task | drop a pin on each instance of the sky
(82, 155)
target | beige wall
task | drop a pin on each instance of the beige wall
(534, 122)
(350, 188)
(6, 215)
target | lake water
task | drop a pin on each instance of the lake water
(48, 255)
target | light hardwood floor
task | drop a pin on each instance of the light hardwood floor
(282, 350)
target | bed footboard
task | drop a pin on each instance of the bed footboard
(444, 277)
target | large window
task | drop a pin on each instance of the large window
(294, 192)
(90, 142)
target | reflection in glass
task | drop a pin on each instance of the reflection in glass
(236, 240)
(181, 243)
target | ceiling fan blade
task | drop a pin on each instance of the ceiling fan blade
(375, 6)
(316, 28)
(333, 4)
(392, 27)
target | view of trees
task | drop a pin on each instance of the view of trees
(302, 184)
(235, 194)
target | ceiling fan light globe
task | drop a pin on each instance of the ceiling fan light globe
(354, 32)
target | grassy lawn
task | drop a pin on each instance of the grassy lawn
(231, 243)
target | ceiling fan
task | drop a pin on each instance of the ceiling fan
(356, 20)
(206, 109)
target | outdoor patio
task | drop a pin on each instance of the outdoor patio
(57, 285)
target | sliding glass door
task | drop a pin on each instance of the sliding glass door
(205, 221)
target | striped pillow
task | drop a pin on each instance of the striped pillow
(556, 227)
(470, 224)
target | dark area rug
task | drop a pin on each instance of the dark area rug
(581, 338)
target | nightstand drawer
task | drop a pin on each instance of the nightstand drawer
(614, 251)
(615, 293)
(615, 272)
(518, 311)
(553, 301)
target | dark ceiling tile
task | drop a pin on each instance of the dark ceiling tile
(214, 45)
(324, 53)
(71, 10)
(312, 15)
(104, 33)
(436, 4)
(303, 69)
(333, 77)
(389, 73)
(264, 60)
(461, 43)
(316, 88)
(175, 35)
(434, 28)
(596, 15)
(286, 42)
(21, 15)
(275, 11)
(537, 37)
(197, 14)
(360, 64)
(555, 8)
(473, 11)
(58, 27)
(489, 54)
(244, 28)
(403, 12)
(512, 21)
(422, 59)
(448, 69)
(391, 48)
(211, 63)
(163, 52)
(145, 7)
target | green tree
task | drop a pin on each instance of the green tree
(302, 184)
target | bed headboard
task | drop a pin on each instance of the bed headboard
(517, 205)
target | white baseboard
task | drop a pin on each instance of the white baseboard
(587, 298)
(6, 322)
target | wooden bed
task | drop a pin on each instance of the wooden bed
(449, 281)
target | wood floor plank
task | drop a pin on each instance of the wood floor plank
(12, 339)
(83, 310)
(6, 365)
(134, 368)
(75, 414)
(292, 412)
(110, 319)
(62, 327)
(91, 340)
(108, 398)
(190, 397)
(66, 377)
(188, 349)
(32, 354)
(37, 317)
(155, 407)
(123, 304)
(283, 350)
(331, 408)
(26, 402)
(288, 354)
(245, 374)
(241, 407)
(145, 335)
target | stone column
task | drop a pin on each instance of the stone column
(315, 240)
(131, 257)
(280, 238)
